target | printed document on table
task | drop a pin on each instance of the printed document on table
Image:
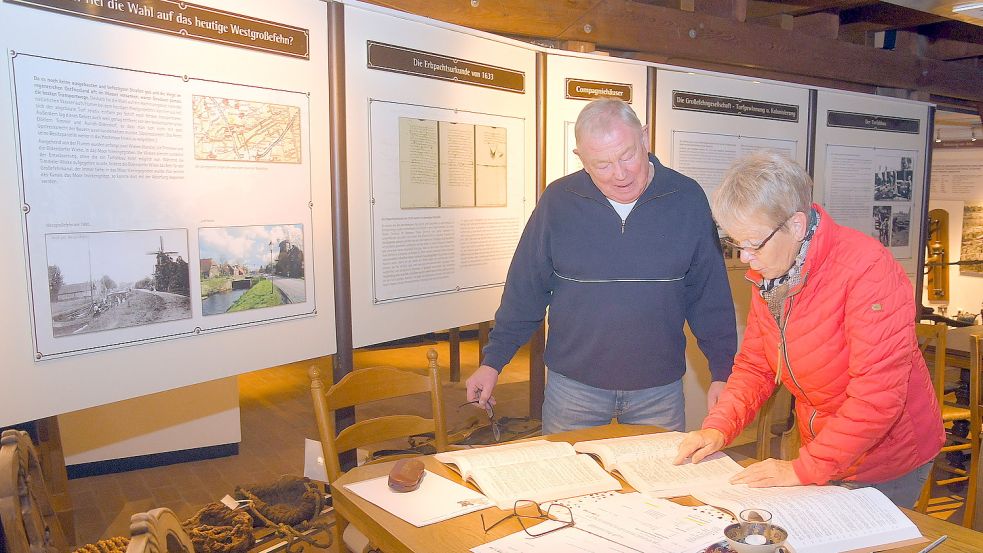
(622, 522)
(435, 500)
(824, 518)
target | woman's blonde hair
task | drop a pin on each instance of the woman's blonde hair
(762, 185)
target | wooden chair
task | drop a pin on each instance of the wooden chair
(777, 419)
(158, 531)
(372, 384)
(27, 518)
(932, 342)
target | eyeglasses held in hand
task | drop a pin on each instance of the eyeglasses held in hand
(532, 518)
(496, 429)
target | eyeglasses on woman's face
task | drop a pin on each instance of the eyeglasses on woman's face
(753, 249)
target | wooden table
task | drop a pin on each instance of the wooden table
(457, 535)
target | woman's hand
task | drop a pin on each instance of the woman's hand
(767, 473)
(698, 444)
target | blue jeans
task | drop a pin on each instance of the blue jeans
(570, 405)
(904, 490)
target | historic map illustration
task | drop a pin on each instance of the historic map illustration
(239, 130)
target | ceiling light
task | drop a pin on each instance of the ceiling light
(967, 7)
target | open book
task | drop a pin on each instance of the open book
(645, 462)
(537, 470)
(820, 519)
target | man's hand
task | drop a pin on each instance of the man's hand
(698, 444)
(713, 393)
(767, 473)
(480, 385)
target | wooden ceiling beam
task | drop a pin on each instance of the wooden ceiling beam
(888, 16)
(632, 26)
(532, 18)
(763, 8)
(954, 30)
(735, 10)
(945, 49)
(780, 20)
(819, 25)
(755, 73)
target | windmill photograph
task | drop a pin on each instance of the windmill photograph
(107, 280)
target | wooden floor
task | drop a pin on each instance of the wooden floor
(276, 417)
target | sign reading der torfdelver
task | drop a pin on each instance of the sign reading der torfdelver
(588, 90)
(741, 107)
(397, 59)
(187, 20)
(870, 122)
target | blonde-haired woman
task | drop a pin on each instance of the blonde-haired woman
(832, 318)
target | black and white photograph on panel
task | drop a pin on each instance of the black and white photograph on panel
(101, 281)
(900, 226)
(251, 267)
(882, 224)
(892, 179)
(972, 241)
(855, 175)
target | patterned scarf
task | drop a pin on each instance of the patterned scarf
(775, 290)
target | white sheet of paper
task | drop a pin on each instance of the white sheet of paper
(314, 461)
(618, 523)
(562, 541)
(435, 500)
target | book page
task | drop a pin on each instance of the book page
(612, 450)
(822, 518)
(657, 476)
(470, 459)
(417, 163)
(456, 164)
(490, 166)
(543, 480)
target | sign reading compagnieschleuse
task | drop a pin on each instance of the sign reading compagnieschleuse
(741, 107)
(588, 90)
(870, 122)
(387, 57)
(189, 21)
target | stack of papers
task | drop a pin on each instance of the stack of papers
(621, 523)
(435, 500)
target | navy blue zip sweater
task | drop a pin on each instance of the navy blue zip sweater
(618, 295)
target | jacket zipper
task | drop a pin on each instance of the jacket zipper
(625, 220)
(637, 205)
(783, 354)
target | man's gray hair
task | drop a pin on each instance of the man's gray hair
(762, 186)
(598, 116)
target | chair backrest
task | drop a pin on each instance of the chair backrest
(158, 531)
(372, 384)
(970, 518)
(934, 336)
(27, 517)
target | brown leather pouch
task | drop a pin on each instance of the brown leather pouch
(406, 475)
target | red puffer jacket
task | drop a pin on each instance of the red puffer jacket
(865, 404)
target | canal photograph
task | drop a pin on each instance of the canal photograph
(250, 267)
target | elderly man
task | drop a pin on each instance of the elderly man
(622, 253)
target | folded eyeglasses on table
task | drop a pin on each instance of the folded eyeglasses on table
(530, 514)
